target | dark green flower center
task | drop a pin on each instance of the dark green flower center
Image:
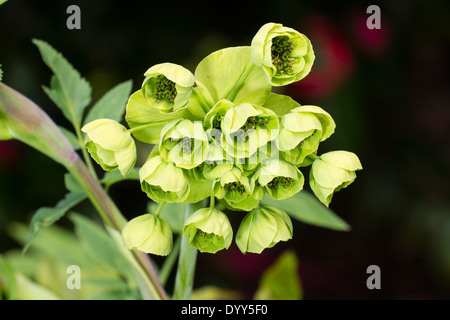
(165, 89)
(207, 165)
(251, 124)
(285, 182)
(217, 120)
(207, 238)
(235, 186)
(282, 47)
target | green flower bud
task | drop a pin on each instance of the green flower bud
(209, 230)
(163, 181)
(284, 54)
(183, 142)
(302, 129)
(168, 86)
(213, 119)
(247, 127)
(331, 172)
(262, 228)
(234, 187)
(110, 145)
(279, 178)
(148, 233)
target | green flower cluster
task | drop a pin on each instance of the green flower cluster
(222, 133)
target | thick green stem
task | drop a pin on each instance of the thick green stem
(184, 280)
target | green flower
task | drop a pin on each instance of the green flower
(279, 178)
(215, 164)
(163, 181)
(262, 228)
(168, 86)
(284, 54)
(234, 187)
(148, 233)
(331, 172)
(183, 142)
(247, 127)
(209, 230)
(110, 145)
(302, 129)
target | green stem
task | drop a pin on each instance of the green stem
(313, 157)
(158, 210)
(212, 202)
(87, 158)
(184, 280)
(169, 263)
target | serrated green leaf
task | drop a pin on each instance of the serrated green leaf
(112, 104)
(306, 208)
(46, 216)
(68, 90)
(281, 281)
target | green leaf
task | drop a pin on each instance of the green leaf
(230, 74)
(281, 281)
(2, 2)
(71, 137)
(145, 121)
(306, 208)
(8, 283)
(54, 241)
(98, 244)
(112, 104)
(46, 216)
(30, 290)
(72, 184)
(68, 90)
(280, 104)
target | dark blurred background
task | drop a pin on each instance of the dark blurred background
(387, 89)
